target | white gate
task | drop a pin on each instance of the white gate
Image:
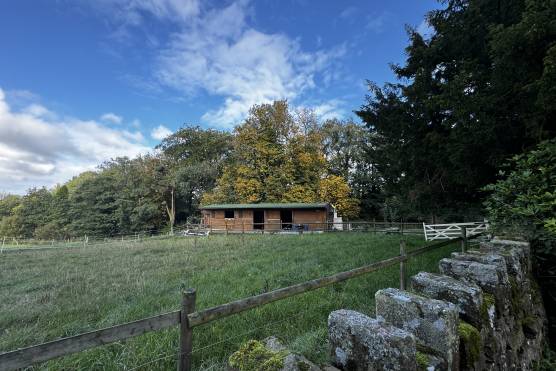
(453, 230)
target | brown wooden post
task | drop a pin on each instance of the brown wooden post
(186, 332)
(463, 239)
(402, 265)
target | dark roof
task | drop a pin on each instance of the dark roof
(267, 205)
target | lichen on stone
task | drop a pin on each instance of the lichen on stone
(422, 361)
(254, 356)
(488, 303)
(471, 343)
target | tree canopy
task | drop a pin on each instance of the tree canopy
(278, 156)
(478, 91)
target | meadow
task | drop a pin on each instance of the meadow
(51, 293)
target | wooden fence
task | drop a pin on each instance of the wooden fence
(240, 226)
(188, 318)
(449, 231)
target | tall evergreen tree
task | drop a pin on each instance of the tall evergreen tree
(479, 90)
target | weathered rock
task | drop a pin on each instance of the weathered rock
(467, 297)
(487, 276)
(292, 361)
(433, 322)
(358, 342)
(517, 255)
(430, 362)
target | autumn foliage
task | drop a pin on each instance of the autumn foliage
(278, 156)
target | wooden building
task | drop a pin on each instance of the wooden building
(268, 216)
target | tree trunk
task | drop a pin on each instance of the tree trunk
(171, 211)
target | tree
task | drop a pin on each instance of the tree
(9, 224)
(523, 202)
(346, 147)
(194, 159)
(475, 93)
(94, 206)
(335, 190)
(278, 156)
(33, 211)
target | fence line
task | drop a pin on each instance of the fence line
(448, 231)
(187, 318)
(9, 243)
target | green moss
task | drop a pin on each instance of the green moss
(254, 356)
(470, 343)
(488, 302)
(422, 361)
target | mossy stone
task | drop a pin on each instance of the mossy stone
(254, 356)
(422, 360)
(470, 344)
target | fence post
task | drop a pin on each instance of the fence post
(186, 332)
(463, 239)
(402, 265)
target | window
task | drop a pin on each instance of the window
(228, 214)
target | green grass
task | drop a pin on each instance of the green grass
(51, 293)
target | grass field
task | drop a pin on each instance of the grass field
(51, 293)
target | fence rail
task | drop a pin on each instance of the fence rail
(190, 229)
(243, 226)
(188, 318)
(449, 231)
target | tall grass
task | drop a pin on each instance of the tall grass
(47, 294)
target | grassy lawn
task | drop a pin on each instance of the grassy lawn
(51, 293)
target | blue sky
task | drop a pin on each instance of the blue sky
(84, 81)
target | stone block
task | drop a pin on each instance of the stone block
(433, 322)
(487, 276)
(467, 297)
(358, 342)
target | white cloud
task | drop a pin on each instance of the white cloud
(160, 132)
(332, 109)
(220, 54)
(39, 148)
(111, 118)
(132, 12)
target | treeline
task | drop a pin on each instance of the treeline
(475, 92)
(275, 155)
(125, 195)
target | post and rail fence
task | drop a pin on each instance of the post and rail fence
(187, 318)
(431, 232)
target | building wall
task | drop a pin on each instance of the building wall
(315, 219)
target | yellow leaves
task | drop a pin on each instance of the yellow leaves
(279, 157)
(300, 193)
(335, 190)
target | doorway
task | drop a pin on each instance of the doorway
(258, 219)
(286, 216)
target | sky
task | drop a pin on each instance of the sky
(85, 81)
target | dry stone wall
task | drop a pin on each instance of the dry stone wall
(483, 312)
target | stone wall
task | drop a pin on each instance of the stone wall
(482, 312)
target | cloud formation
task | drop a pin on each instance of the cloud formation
(160, 132)
(216, 51)
(111, 118)
(37, 147)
